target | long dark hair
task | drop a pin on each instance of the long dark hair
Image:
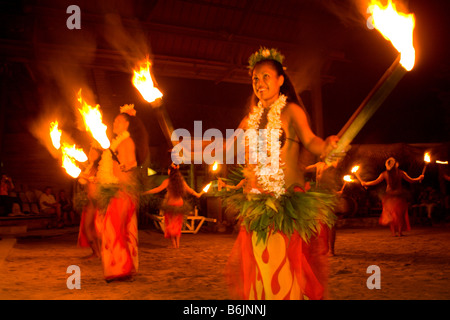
(287, 88)
(139, 134)
(176, 182)
(393, 177)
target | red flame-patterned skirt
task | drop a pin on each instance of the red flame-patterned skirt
(280, 268)
(118, 233)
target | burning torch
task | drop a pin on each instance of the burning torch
(427, 160)
(143, 82)
(397, 28)
(206, 188)
(70, 153)
(355, 170)
(347, 178)
(92, 117)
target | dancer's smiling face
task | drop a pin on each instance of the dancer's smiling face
(266, 83)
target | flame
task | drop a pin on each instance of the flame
(143, 82)
(215, 166)
(348, 178)
(74, 152)
(206, 188)
(355, 169)
(55, 135)
(427, 158)
(396, 27)
(69, 164)
(93, 121)
(70, 154)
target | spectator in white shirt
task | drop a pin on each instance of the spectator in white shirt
(50, 206)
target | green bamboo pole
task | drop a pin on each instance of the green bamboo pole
(368, 107)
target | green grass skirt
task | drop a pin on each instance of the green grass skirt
(304, 212)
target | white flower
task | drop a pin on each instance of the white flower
(269, 174)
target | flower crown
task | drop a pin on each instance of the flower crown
(390, 163)
(264, 54)
(128, 108)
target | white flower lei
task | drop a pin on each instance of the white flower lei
(270, 180)
(105, 173)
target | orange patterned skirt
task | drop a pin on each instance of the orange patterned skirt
(282, 268)
(395, 212)
(118, 232)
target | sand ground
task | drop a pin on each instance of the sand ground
(413, 267)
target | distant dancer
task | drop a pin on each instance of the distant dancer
(395, 205)
(174, 205)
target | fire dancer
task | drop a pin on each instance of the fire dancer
(87, 236)
(395, 205)
(118, 196)
(280, 252)
(174, 205)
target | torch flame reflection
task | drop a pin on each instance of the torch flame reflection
(215, 166)
(93, 121)
(396, 27)
(143, 82)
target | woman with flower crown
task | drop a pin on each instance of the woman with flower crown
(118, 194)
(280, 252)
(174, 206)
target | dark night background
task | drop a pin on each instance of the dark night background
(199, 51)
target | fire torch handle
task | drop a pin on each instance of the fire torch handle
(114, 156)
(368, 107)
